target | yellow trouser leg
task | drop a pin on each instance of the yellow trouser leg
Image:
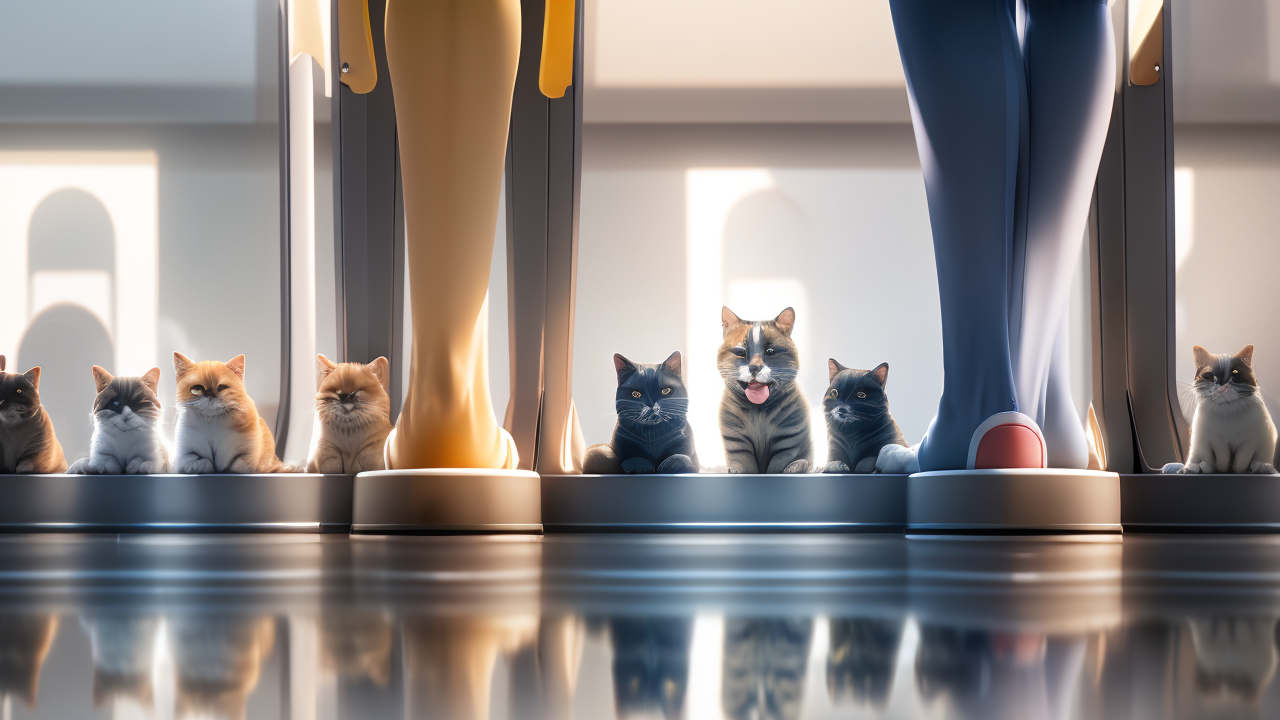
(453, 67)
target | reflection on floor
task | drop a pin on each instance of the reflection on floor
(706, 626)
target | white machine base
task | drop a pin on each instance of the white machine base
(451, 500)
(1013, 501)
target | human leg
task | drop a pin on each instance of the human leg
(1070, 64)
(452, 65)
(1063, 431)
(963, 65)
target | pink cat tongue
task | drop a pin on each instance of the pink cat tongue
(757, 392)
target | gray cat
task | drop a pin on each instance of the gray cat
(858, 419)
(763, 417)
(1232, 431)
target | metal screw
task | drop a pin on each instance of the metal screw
(347, 68)
(1157, 68)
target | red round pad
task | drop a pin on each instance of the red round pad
(1007, 447)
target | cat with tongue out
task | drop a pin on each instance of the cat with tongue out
(764, 419)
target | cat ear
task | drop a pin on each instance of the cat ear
(672, 364)
(881, 374)
(785, 321)
(727, 319)
(1246, 355)
(34, 376)
(182, 364)
(324, 366)
(236, 365)
(101, 378)
(152, 380)
(623, 366)
(381, 370)
(833, 369)
(1203, 358)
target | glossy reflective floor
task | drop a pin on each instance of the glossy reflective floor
(616, 626)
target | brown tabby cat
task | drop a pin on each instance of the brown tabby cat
(764, 418)
(354, 410)
(27, 441)
(219, 429)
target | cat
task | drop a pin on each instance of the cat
(28, 443)
(650, 665)
(764, 418)
(25, 641)
(858, 419)
(861, 659)
(218, 661)
(764, 666)
(354, 414)
(219, 429)
(126, 427)
(652, 433)
(1231, 431)
(358, 644)
(123, 649)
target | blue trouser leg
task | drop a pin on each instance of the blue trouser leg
(1063, 430)
(1069, 53)
(965, 85)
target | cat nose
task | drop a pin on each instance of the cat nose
(344, 398)
(754, 368)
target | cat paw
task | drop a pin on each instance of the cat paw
(79, 467)
(147, 467)
(677, 464)
(835, 466)
(897, 459)
(637, 466)
(1172, 469)
(600, 460)
(799, 466)
(865, 466)
(1262, 468)
(195, 466)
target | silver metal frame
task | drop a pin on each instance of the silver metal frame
(277, 502)
(1132, 243)
(286, 305)
(709, 502)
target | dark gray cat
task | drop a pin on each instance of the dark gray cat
(652, 434)
(858, 419)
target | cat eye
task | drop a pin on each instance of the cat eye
(115, 403)
(19, 391)
(769, 351)
(221, 388)
(1235, 372)
(833, 393)
(740, 351)
(197, 389)
(666, 391)
(635, 393)
(861, 394)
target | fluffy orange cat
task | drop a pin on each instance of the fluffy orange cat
(354, 414)
(219, 429)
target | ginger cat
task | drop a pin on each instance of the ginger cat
(219, 429)
(354, 414)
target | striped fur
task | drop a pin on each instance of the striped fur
(772, 436)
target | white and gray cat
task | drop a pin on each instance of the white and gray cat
(126, 427)
(1232, 431)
